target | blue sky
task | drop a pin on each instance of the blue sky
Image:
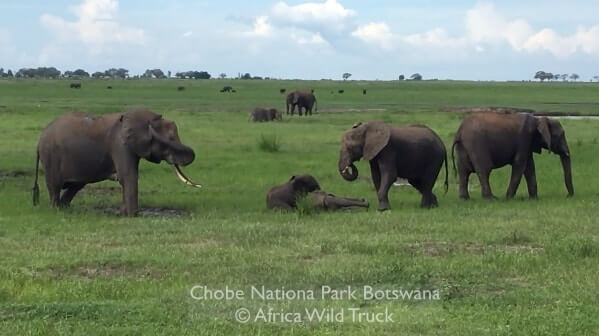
(479, 40)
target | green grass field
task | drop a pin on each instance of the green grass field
(518, 267)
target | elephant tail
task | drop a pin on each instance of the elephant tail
(35, 190)
(315, 105)
(446, 184)
(455, 171)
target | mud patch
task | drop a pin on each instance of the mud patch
(442, 248)
(144, 211)
(498, 109)
(348, 110)
(6, 174)
(101, 270)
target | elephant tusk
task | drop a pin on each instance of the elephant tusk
(344, 171)
(184, 178)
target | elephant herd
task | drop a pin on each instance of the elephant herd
(77, 149)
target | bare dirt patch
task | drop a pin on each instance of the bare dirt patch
(144, 211)
(348, 110)
(101, 270)
(498, 109)
(6, 174)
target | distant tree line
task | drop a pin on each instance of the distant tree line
(542, 76)
(114, 73)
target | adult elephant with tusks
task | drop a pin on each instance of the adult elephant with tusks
(489, 140)
(303, 100)
(77, 148)
(414, 152)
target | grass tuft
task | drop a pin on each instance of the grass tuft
(269, 143)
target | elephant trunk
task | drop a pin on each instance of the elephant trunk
(346, 167)
(566, 165)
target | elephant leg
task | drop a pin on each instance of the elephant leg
(517, 171)
(69, 193)
(464, 171)
(336, 203)
(483, 176)
(388, 176)
(299, 110)
(376, 175)
(128, 173)
(531, 179)
(53, 191)
(428, 199)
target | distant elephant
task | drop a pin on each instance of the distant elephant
(323, 201)
(415, 153)
(489, 140)
(260, 114)
(77, 148)
(227, 88)
(284, 196)
(301, 99)
(75, 86)
(180, 88)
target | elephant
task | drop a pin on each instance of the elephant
(180, 88)
(78, 148)
(260, 114)
(489, 140)
(413, 152)
(75, 86)
(301, 99)
(227, 88)
(324, 201)
(284, 196)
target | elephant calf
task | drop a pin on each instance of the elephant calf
(489, 140)
(323, 201)
(260, 114)
(285, 196)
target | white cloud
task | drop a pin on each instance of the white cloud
(377, 33)
(436, 38)
(329, 15)
(315, 39)
(95, 26)
(485, 24)
(187, 34)
(262, 28)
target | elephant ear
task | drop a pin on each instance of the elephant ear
(544, 129)
(376, 136)
(136, 134)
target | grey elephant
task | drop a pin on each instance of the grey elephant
(286, 195)
(260, 114)
(324, 201)
(77, 148)
(489, 140)
(414, 152)
(303, 100)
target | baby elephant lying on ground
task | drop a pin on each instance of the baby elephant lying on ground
(285, 196)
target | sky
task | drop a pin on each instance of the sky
(443, 39)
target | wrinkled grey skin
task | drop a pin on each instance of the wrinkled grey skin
(489, 140)
(323, 201)
(77, 148)
(261, 114)
(303, 100)
(415, 153)
(284, 196)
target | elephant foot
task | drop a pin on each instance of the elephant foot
(490, 198)
(464, 197)
(384, 207)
